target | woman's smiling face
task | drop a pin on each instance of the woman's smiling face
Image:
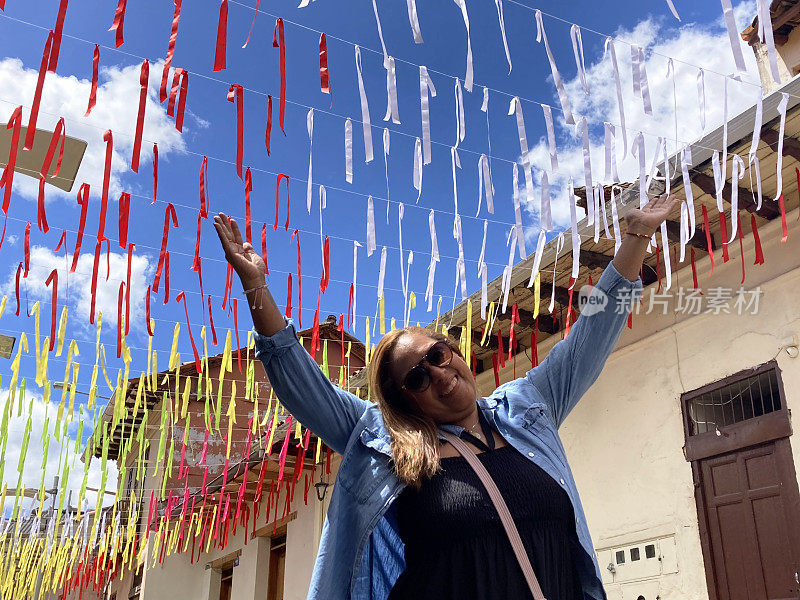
(452, 392)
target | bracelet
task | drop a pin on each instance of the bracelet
(256, 289)
(639, 235)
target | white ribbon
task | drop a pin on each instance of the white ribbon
(382, 273)
(701, 97)
(737, 172)
(640, 85)
(587, 160)
(615, 222)
(516, 108)
(612, 175)
(414, 20)
(485, 184)
(364, 110)
(370, 227)
(753, 156)
(672, 9)
(434, 260)
(461, 128)
(506, 282)
(733, 34)
(386, 168)
(426, 86)
(686, 162)
(665, 248)
(637, 149)
(323, 203)
(562, 93)
(518, 212)
(460, 269)
(356, 246)
(719, 179)
(782, 110)
(392, 112)
(577, 49)
(380, 34)
(483, 244)
(455, 162)
(620, 104)
(684, 231)
(767, 36)
(310, 128)
(468, 77)
(559, 246)
(482, 270)
(545, 214)
(348, 150)
(576, 239)
(499, 5)
(551, 137)
(400, 211)
(417, 169)
(537, 259)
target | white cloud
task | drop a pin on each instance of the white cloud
(77, 286)
(41, 413)
(705, 45)
(116, 109)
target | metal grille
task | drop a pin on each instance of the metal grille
(733, 403)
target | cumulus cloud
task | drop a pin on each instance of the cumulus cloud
(59, 452)
(116, 109)
(705, 45)
(76, 287)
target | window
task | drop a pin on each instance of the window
(620, 557)
(634, 554)
(650, 551)
(136, 584)
(277, 563)
(226, 584)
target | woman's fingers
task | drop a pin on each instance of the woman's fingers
(237, 236)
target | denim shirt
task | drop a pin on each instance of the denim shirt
(360, 554)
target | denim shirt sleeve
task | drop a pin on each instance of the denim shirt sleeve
(573, 364)
(301, 386)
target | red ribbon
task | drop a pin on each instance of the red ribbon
(83, 201)
(709, 245)
(203, 176)
(784, 228)
(182, 297)
(299, 280)
(228, 283)
(200, 280)
(289, 297)
(248, 187)
(27, 248)
(278, 199)
(326, 272)
(168, 212)
(572, 287)
(255, 14)
(124, 214)
(108, 259)
(264, 246)
(350, 315)
(694, 269)
(535, 343)
(222, 37)
(131, 250)
(57, 32)
(37, 94)
(757, 239)
(741, 242)
(95, 268)
(147, 312)
(144, 76)
(196, 260)
(166, 277)
(234, 306)
(278, 42)
(120, 295)
(155, 172)
(315, 328)
(108, 138)
(3, 236)
(500, 351)
(119, 21)
(15, 123)
(324, 74)
(62, 240)
(268, 133)
(180, 83)
(170, 50)
(284, 448)
(53, 278)
(658, 271)
(496, 370)
(235, 93)
(723, 232)
(211, 320)
(16, 286)
(58, 134)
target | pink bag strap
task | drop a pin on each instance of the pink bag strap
(502, 511)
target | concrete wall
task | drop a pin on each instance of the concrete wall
(788, 61)
(624, 439)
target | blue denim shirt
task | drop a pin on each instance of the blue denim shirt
(360, 554)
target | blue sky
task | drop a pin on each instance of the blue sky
(211, 123)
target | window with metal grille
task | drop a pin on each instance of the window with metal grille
(747, 398)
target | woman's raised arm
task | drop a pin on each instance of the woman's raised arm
(328, 411)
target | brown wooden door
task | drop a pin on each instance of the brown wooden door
(751, 510)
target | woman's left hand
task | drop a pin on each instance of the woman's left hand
(647, 219)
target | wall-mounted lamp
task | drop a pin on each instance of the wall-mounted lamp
(322, 488)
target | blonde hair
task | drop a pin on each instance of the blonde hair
(415, 443)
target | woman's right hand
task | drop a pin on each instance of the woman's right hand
(247, 263)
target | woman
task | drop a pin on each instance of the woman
(408, 517)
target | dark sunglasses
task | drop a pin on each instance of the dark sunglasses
(418, 379)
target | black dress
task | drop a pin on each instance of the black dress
(456, 547)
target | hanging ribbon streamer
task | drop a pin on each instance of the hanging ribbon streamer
(182, 298)
(577, 49)
(351, 312)
(381, 276)
(587, 165)
(576, 238)
(562, 93)
(119, 22)
(53, 278)
(469, 76)
(518, 212)
(537, 260)
(485, 185)
(672, 9)
(296, 233)
(131, 250)
(124, 214)
(753, 154)
(733, 34)
(782, 110)
(348, 150)
(611, 174)
(516, 108)
(641, 88)
(93, 287)
(545, 213)
(737, 172)
(461, 128)
(609, 49)
(222, 38)
(551, 136)
(173, 36)
(766, 34)
(93, 89)
(701, 97)
(434, 259)
(169, 214)
(386, 143)
(37, 94)
(425, 87)
(638, 150)
(461, 273)
(58, 134)
(248, 187)
(178, 93)
(324, 73)
(83, 201)
(364, 109)
(155, 172)
(392, 112)
(455, 162)
(416, 174)
(759, 252)
(268, 131)
(252, 24)
(108, 138)
(513, 234)
(370, 227)
(235, 95)
(144, 76)
(264, 247)
(279, 42)
(686, 162)
(414, 21)
(499, 5)
(310, 129)
(278, 199)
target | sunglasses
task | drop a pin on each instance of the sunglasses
(418, 379)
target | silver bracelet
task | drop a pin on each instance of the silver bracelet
(256, 289)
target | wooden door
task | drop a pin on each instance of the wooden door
(277, 564)
(751, 510)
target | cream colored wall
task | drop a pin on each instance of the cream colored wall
(788, 60)
(624, 439)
